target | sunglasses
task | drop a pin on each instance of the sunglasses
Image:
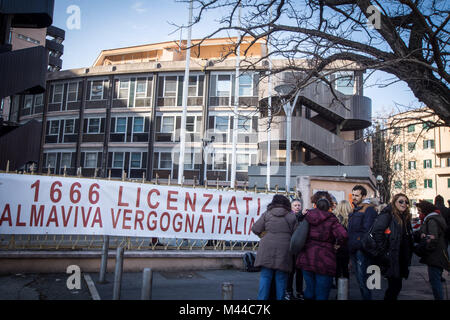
(403, 201)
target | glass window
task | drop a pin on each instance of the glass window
(121, 125)
(190, 124)
(411, 128)
(398, 184)
(396, 131)
(242, 161)
(426, 125)
(118, 160)
(448, 182)
(245, 85)
(167, 125)
(192, 87)
(136, 160)
(220, 161)
(448, 162)
(165, 160)
(28, 102)
(51, 160)
(411, 146)
(66, 160)
(188, 161)
(397, 148)
(97, 90)
(141, 88)
(411, 165)
(123, 88)
(223, 88)
(57, 93)
(54, 127)
(90, 160)
(69, 126)
(344, 82)
(138, 124)
(244, 124)
(170, 86)
(72, 92)
(427, 164)
(39, 100)
(412, 184)
(397, 166)
(221, 124)
(94, 125)
(428, 183)
(428, 144)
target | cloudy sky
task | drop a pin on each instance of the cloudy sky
(108, 24)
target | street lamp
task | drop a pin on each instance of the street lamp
(206, 146)
(379, 183)
(284, 90)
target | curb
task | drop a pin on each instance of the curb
(91, 286)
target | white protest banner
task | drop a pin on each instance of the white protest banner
(33, 204)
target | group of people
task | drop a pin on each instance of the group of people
(335, 242)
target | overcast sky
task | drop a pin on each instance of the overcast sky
(108, 24)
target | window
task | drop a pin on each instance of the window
(221, 124)
(245, 85)
(69, 126)
(398, 184)
(118, 160)
(188, 161)
(428, 144)
(223, 88)
(427, 164)
(72, 92)
(244, 124)
(21, 36)
(138, 124)
(57, 93)
(242, 161)
(428, 183)
(220, 161)
(411, 128)
(411, 146)
(39, 100)
(141, 88)
(344, 82)
(448, 162)
(66, 159)
(170, 86)
(167, 125)
(397, 166)
(54, 127)
(426, 125)
(448, 182)
(90, 160)
(397, 148)
(192, 86)
(121, 125)
(136, 160)
(123, 88)
(94, 125)
(28, 102)
(411, 165)
(51, 160)
(396, 131)
(97, 90)
(165, 160)
(412, 184)
(190, 124)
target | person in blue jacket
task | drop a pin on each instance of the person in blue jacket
(359, 223)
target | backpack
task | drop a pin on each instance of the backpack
(249, 262)
(299, 236)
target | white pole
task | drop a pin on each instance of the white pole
(185, 96)
(269, 117)
(288, 109)
(236, 104)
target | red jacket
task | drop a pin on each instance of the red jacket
(318, 254)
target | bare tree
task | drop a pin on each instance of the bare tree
(408, 39)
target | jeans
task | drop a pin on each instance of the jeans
(434, 275)
(265, 281)
(394, 288)
(318, 286)
(360, 263)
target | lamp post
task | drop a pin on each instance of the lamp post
(206, 145)
(379, 184)
(284, 90)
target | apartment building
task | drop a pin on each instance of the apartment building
(123, 114)
(419, 156)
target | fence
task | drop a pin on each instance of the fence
(95, 242)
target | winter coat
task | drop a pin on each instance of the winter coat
(359, 223)
(273, 251)
(434, 224)
(318, 255)
(395, 259)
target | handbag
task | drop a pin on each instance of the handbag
(423, 248)
(299, 236)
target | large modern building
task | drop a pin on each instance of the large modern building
(123, 114)
(419, 156)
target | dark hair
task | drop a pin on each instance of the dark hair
(397, 214)
(439, 201)
(426, 207)
(361, 188)
(279, 201)
(322, 200)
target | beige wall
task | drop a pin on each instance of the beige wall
(36, 34)
(345, 186)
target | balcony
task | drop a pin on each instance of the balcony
(28, 14)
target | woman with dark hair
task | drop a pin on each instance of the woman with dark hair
(392, 232)
(318, 256)
(433, 229)
(273, 254)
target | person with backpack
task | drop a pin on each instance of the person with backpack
(317, 258)
(297, 206)
(273, 256)
(445, 213)
(393, 235)
(359, 223)
(432, 231)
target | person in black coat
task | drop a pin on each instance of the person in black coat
(393, 233)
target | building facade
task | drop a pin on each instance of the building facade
(419, 156)
(123, 115)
